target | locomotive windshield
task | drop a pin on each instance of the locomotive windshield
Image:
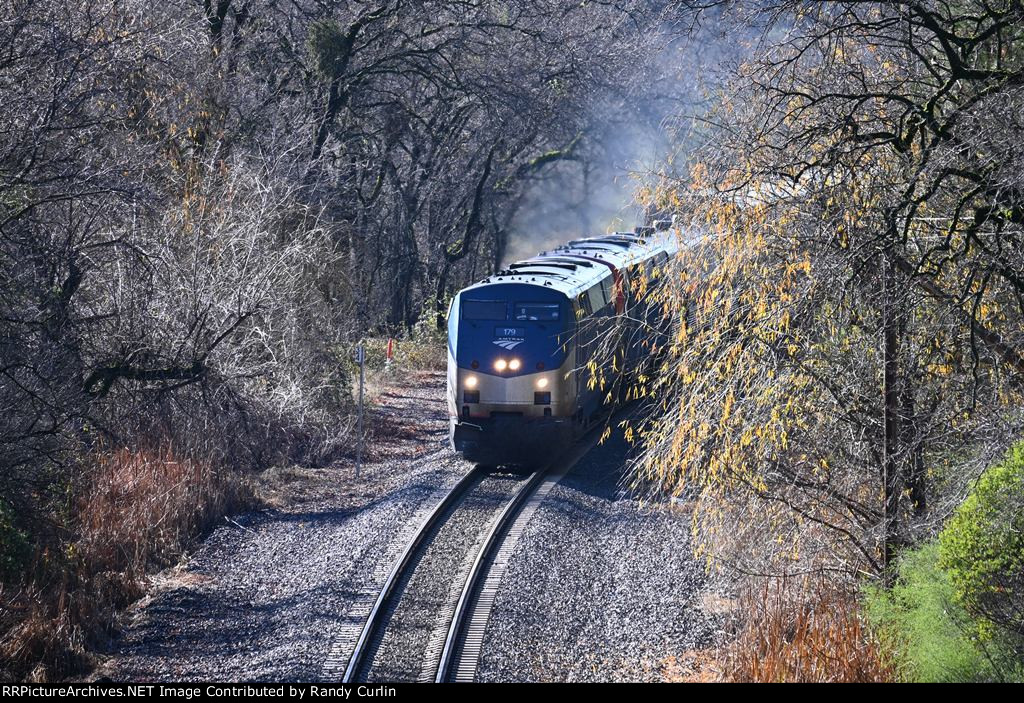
(484, 310)
(507, 322)
(544, 312)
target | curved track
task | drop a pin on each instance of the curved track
(389, 590)
(464, 643)
(467, 554)
(455, 534)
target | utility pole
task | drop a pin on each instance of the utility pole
(891, 423)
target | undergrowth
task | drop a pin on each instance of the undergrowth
(132, 510)
(806, 631)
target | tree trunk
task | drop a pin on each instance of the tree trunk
(442, 284)
(891, 419)
(915, 475)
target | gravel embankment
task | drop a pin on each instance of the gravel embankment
(271, 595)
(598, 588)
(414, 630)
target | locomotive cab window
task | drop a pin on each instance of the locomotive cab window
(484, 310)
(544, 312)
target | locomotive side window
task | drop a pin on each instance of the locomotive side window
(583, 308)
(606, 289)
(545, 312)
(597, 298)
(484, 310)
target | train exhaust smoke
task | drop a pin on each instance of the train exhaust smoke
(640, 131)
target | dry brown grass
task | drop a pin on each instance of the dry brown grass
(143, 505)
(425, 350)
(134, 509)
(806, 632)
(423, 355)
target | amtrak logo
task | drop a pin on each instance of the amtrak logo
(509, 344)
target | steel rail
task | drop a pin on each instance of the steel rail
(366, 636)
(474, 606)
(477, 572)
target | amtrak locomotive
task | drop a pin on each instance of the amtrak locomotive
(519, 344)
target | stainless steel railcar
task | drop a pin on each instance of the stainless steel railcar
(519, 343)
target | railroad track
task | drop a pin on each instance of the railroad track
(465, 638)
(453, 536)
(450, 645)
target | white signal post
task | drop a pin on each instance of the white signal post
(360, 358)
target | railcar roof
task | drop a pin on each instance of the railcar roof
(571, 268)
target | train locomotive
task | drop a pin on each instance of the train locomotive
(520, 341)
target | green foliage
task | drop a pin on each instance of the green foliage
(421, 348)
(982, 549)
(955, 612)
(15, 550)
(921, 623)
(329, 47)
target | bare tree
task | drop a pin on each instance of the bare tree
(202, 203)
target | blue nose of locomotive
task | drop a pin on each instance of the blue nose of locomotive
(508, 348)
(509, 330)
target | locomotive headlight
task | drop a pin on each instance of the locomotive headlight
(500, 364)
(542, 383)
(514, 365)
(470, 381)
